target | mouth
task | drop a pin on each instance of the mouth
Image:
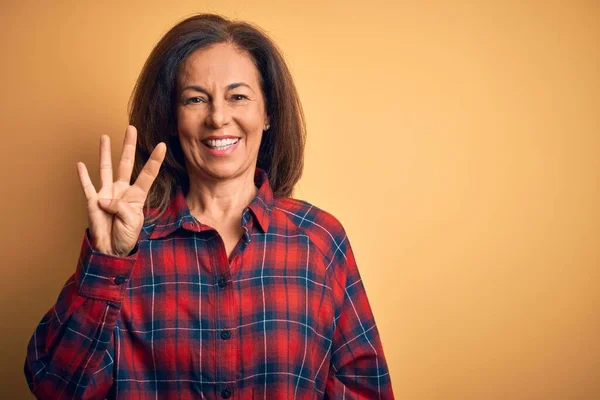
(221, 147)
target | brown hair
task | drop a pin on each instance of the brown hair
(152, 105)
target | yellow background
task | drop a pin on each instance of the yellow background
(458, 143)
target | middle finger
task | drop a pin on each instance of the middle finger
(127, 155)
(106, 175)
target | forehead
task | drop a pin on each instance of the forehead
(221, 64)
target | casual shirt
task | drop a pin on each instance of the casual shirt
(285, 316)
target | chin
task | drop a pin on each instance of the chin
(224, 171)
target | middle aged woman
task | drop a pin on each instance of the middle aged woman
(204, 279)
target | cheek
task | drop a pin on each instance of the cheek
(254, 140)
(253, 121)
(187, 118)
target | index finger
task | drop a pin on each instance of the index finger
(150, 171)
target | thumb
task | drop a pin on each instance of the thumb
(104, 202)
(112, 206)
(121, 208)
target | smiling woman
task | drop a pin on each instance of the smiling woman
(181, 78)
(203, 278)
(220, 123)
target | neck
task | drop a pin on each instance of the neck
(218, 200)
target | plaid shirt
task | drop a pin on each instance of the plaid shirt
(286, 316)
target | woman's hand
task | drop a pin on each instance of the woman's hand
(116, 212)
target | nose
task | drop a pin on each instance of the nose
(219, 114)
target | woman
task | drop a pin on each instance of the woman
(204, 279)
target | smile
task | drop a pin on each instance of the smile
(220, 144)
(221, 147)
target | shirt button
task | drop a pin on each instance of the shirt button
(119, 280)
(225, 335)
(226, 393)
(222, 281)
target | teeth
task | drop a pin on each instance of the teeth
(221, 143)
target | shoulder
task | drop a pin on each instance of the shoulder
(323, 228)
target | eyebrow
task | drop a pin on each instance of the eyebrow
(231, 86)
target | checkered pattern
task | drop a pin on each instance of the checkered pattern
(285, 317)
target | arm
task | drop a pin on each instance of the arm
(358, 368)
(71, 352)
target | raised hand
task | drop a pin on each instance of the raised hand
(116, 212)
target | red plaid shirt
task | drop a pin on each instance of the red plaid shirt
(285, 317)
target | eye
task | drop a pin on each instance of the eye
(239, 97)
(194, 100)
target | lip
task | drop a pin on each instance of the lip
(220, 137)
(225, 152)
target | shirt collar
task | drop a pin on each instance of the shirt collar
(178, 213)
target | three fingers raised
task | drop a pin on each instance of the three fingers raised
(146, 177)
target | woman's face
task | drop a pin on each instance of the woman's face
(220, 112)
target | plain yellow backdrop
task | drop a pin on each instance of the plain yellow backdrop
(458, 143)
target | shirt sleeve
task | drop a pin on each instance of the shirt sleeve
(71, 352)
(358, 369)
